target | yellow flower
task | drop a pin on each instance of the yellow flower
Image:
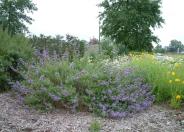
(173, 73)
(178, 97)
(177, 80)
(170, 81)
(177, 65)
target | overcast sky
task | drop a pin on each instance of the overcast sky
(79, 18)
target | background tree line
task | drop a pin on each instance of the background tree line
(174, 46)
(64, 47)
(128, 23)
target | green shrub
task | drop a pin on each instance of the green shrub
(100, 86)
(13, 50)
(68, 48)
(64, 81)
(108, 48)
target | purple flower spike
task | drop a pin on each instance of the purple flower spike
(54, 97)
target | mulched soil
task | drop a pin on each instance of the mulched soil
(15, 117)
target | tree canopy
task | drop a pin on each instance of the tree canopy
(159, 49)
(131, 22)
(14, 15)
(175, 46)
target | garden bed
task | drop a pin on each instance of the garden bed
(17, 117)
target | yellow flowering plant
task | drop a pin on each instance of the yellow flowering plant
(166, 76)
(177, 80)
(178, 97)
(176, 76)
(170, 81)
(173, 73)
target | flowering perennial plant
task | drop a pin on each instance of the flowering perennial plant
(107, 90)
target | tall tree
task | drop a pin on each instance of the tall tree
(130, 22)
(159, 49)
(14, 15)
(175, 46)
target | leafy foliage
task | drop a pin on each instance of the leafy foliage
(130, 22)
(85, 84)
(13, 51)
(159, 49)
(166, 78)
(70, 48)
(14, 15)
(175, 46)
(108, 48)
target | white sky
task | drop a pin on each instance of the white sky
(79, 18)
